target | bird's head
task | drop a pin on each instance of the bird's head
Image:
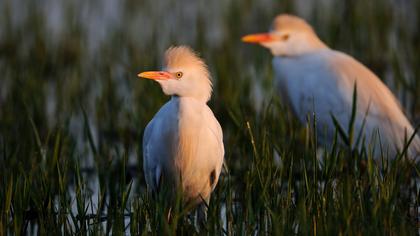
(289, 36)
(185, 74)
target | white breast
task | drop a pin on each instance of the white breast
(184, 140)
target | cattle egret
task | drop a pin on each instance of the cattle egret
(183, 143)
(314, 79)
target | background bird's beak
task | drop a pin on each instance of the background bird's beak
(258, 38)
(155, 75)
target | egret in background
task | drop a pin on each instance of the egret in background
(183, 144)
(312, 78)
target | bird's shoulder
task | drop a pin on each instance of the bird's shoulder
(310, 75)
(163, 127)
(326, 62)
(370, 88)
(308, 69)
(327, 69)
(168, 112)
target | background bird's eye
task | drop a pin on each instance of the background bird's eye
(285, 37)
(178, 74)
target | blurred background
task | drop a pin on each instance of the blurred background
(59, 56)
(69, 91)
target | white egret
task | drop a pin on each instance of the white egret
(311, 77)
(183, 144)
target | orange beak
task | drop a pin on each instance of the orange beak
(155, 75)
(258, 38)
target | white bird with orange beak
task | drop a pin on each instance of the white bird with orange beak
(183, 144)
(314, 79)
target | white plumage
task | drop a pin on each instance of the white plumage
(183, 144)
(314, 78)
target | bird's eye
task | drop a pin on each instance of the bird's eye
(285, 37)
(178, 74)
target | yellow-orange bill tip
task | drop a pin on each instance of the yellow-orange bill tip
(257, 38)
(155, 75)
